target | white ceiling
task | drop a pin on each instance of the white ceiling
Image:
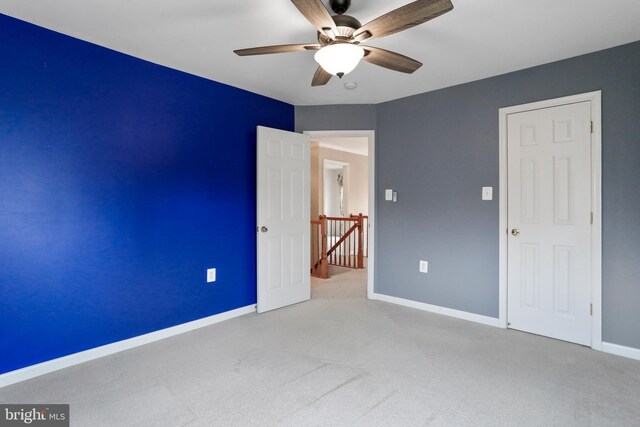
(478, 39)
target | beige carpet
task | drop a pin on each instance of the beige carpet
(342, 360)
(342, 283)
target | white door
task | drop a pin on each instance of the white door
(283, 218)
(549, 217)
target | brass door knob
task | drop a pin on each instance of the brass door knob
(515, 232)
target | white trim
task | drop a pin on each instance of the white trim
(620, 350)
(595, 98)
(33, 371)
(503, 226)
(344, 149)
(371, 135)
(335, 162)
(464, 315)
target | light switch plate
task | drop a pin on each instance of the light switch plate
(388, 195)
(487, 193)
(424, 266)
(211, 275)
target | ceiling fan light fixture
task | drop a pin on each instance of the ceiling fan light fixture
(339, 36)
(339, 59)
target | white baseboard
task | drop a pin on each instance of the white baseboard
(105, 350)
(478, 318)
(620, 350)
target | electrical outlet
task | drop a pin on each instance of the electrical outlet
(424, 266)
(211, 275)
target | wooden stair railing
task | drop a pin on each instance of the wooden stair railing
(365, 234)
(319, 263)
(347, 239)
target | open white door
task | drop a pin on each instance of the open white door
(283, 218)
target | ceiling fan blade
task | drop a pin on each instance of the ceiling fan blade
(282, 48)
(405, 17)
(318, 15)
(321, 77)
(391, 60)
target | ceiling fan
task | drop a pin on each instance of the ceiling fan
(338, 50)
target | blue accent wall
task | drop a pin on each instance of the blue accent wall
(121, 182)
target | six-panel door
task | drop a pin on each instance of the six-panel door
(283, 222)
(549, 217)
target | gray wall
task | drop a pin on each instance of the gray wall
(439, 148)
(336, 117)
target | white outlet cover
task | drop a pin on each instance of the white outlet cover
(211, 275)
(487, 193)
(424, 266)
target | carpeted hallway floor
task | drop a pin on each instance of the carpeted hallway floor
(342, 283)
(341, 359)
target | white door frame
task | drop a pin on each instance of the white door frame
(370, 135)
(596, 191)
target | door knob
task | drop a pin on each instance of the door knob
(515, 232)
(264, 229)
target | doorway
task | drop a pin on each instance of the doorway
(550, 232)
(350, 193)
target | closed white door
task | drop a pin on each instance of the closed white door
(549, 217)
(283, 218)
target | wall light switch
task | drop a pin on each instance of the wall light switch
(424, 266)
(487, 193)
(211, 275)
(388, 195)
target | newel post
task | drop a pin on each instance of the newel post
(360, 242)
(324, 264)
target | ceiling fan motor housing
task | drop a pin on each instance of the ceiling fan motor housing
(346, 25)
(346, 21)
(340, 6)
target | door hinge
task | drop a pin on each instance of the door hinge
(591, 126)
(591, 218)
(590, 309)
